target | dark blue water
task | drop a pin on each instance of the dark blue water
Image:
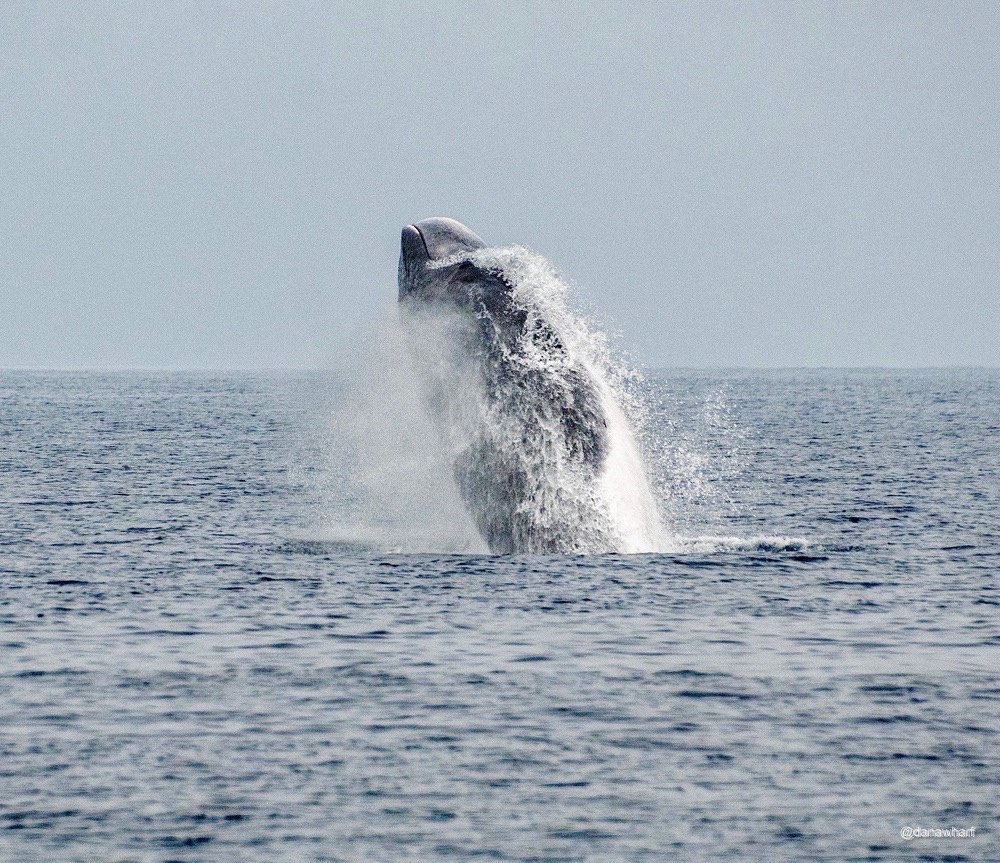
(208, 654)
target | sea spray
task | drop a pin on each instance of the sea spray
(390, 480)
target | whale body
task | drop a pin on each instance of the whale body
(532, 443)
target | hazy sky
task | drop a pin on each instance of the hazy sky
(222, 184)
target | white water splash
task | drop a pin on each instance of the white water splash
(742, 544)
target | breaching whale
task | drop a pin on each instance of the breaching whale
(525, 419)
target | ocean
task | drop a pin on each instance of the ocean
(244, 618)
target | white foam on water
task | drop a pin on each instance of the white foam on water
(765, 543)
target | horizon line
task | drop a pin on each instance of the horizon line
(640, 366)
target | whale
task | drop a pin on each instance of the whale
(535, 440)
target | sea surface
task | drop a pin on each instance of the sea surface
(229, 633)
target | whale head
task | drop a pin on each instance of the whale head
(434, 265)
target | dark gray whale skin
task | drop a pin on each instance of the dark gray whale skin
(462, 284)
(496, 483)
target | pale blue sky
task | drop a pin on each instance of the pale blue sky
(222, 184)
